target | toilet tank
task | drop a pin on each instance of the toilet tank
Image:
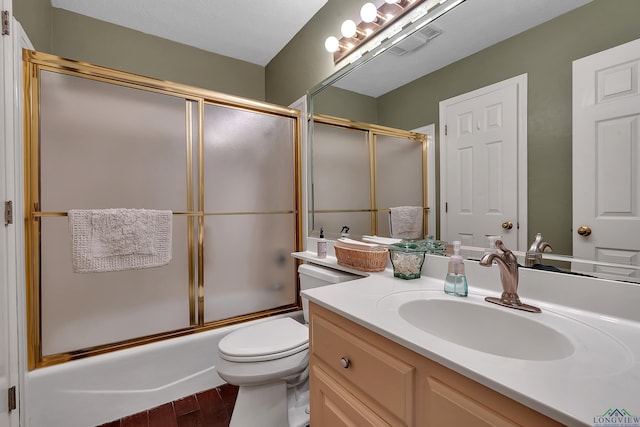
(312, 276)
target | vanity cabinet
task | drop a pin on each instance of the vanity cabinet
(359, 378)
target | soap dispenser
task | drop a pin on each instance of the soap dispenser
(322, 245)
(456, 282)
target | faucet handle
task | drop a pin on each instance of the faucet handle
(500, 245)
(507, 255)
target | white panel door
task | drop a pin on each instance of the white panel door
(5, 324)
(480, 164)
(8, 316)
(606, 155)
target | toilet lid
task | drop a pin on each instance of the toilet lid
(265, 341)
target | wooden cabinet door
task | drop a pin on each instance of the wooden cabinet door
(447, 398)
(450, 407)
(333, 406)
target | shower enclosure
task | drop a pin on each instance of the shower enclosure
(228, 169)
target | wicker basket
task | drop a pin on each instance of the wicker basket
(362, 260)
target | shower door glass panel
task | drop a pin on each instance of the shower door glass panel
(249, 208)
(399, 177)
(84, 310)
(248, 161)
(248, 264)
(341, 180)
(398, 172)
(109, 146)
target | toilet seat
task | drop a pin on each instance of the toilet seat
(270, 340)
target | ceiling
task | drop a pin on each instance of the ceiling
(249, 30)
(256, 30)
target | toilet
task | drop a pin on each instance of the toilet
(269, 361)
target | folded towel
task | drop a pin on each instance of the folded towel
(119, 239)
(406, 222)
(356, 244)
(381, 240)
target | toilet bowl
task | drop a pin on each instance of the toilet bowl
(269, 361)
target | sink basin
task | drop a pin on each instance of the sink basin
(488, 329)
(471, 330)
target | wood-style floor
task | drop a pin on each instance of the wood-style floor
(211, 408)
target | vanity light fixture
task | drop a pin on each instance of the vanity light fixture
(332, 44)
(373, 19)
(369, 13)
(349, 29)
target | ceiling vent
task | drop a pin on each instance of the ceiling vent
(415, 40)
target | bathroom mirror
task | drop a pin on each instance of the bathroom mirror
(479, 43)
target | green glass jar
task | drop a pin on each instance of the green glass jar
(407, 259)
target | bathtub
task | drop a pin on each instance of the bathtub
(99, 389)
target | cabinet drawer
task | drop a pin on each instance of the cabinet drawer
(333, 406)
(377, 374)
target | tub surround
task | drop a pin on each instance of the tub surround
(602, 373)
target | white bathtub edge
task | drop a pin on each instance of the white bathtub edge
(99, 389)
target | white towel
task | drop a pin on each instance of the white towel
(406, 222)
(119, 239)
(381, 240)
(355, 244)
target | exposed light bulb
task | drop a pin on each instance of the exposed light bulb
(348, 28)
(331, 44)
(369, 12)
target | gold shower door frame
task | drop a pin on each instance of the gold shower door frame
(33, 63)
(373, 131)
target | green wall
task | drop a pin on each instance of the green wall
(304, 62)
(301, 65)
(35, 18)
(546, 54)
(349, 105)
(79, 37)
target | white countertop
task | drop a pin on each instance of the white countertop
(602, 320)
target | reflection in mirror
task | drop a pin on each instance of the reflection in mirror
(340, 193)
(482, 43)
(358, 172)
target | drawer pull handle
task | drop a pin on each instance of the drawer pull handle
(345, 362)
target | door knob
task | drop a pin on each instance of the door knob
(507, 225)
(584, 231)
(345, 362)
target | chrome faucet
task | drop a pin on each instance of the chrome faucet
(508, 264)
